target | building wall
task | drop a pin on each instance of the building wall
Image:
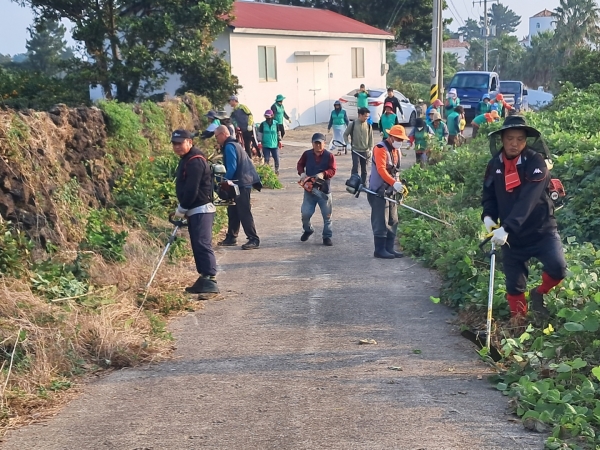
(540, 24)
(310, 83)
(460, 52)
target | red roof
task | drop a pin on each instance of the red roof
(455, 43)
(271, 16)
(544, 13)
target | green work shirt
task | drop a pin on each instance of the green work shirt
(440, 131)
(452, 103)
(386, 122)
(480, 120)
(362, 100)
(453, 126)
(338, 117)
(279, 112)
(421, 138)
(269, 134)
(484, 107)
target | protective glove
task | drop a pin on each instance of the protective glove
(320, 175)
(279, 144)
(179, 213)
(303, 177)
(249, 128)
(489, 224)
(260, 145)
(499, 237)
(368, 154)
(397, 186)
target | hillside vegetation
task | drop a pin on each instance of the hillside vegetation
(84, 198)
(550, 374)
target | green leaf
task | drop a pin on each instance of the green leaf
(502, 386)
(573, 326)
(597, 297)
(591, 324)
(435, 300)
(563, 368)
(578, 363)
(596, 372)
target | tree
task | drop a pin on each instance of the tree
(409, 20)
(506, 56)
(583, 69)
(470, 30)
(540, 61)
(504, 19)
(132, 45)
(474, 59)
(576, 24)
(46, 46)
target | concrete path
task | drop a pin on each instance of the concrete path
(277, 364)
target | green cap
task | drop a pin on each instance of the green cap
(280, 98)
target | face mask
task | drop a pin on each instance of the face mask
(420, 129)
(397, 144)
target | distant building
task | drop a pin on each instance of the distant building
(457, 46)
(542, 21)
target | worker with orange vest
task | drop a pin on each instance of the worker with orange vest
(484, 118)
(502, 105)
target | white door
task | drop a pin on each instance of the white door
(313, 89)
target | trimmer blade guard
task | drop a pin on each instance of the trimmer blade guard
(353, 184)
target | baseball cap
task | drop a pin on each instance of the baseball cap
(179, 136)
(234, 98)
(318, 137)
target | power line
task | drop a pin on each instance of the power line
(455, 9)
(394, 14)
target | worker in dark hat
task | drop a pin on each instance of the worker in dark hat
(242, 118)
(213, 123)
(193, 186)
(519, 213)
(316, 168)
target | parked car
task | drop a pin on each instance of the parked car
(471, 86)
(376, 101)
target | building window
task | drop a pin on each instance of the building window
(267, 63)
(538, 25)
(358, 62)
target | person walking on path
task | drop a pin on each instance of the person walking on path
(519, 212)
(483, 118)
(270, 139)
(360, 134)
(384, 181)
(362, 98)
(338, 120)
(388, 119)
(452, 101)
(240, 170)
(396, 105)
(440, 130)
(453, 124)
(279, 114)
(420, 137)
(244, 121)
(484, 105)
(316, 168)
(193, 187)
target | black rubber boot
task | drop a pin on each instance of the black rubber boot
(380, 251)
(228, 242)
(537, 305)
(389, 246)
(203, 285)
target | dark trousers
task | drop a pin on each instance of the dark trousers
(363, 166)
(384, 216)
(241, 213)
(515, 260)
(281, 130)
(200, 228)
(249, 142)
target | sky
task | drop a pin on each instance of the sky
(14, 19)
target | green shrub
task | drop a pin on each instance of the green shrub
(15, 250)
(101, 238)
(125, 129)
(268, 177)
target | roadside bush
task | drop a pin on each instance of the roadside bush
(102, 238)
(15, 250)
(268, 177)
(552, 373)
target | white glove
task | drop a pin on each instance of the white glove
(320, 175)
(489, 224)
(499, 237)
(303, 176)
(398, 186)
(179, 213)
(249, 128)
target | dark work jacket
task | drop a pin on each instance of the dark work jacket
(245, 173)
(526, 213)
(313, 168)
(193, 182)
(395, 103)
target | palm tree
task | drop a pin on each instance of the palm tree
(504, 19)
(540, 61)
(577, 24)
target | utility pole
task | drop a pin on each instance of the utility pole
(441, 53)
(486, 31)
(435, 42)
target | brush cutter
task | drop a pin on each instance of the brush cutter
(341, 146)
(478, 336)
(178, 224)
(354, 186)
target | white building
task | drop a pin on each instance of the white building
(542, 21)
(311, 56)
(459, 47)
